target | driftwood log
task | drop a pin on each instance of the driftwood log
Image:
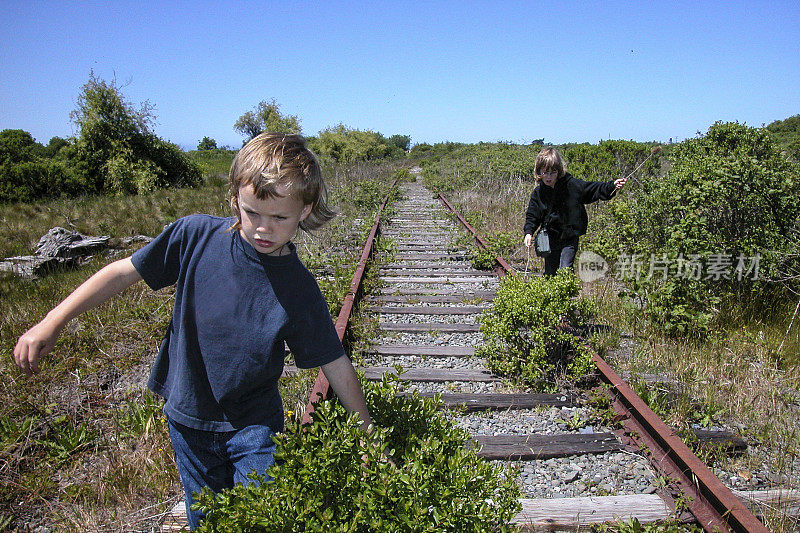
(58, 248)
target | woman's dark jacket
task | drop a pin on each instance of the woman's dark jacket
(564, 201)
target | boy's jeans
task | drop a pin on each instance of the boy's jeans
(218, 460)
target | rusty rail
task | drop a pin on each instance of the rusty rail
(321, 389)
(502, 267)
(711, 503)
(714, 506)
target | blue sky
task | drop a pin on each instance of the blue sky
(456, 70)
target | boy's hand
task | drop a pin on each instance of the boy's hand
(619, 183)
(33, 344)
(528, 239)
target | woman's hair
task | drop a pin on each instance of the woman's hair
(547, 160)
(270, 160)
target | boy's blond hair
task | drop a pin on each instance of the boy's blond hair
(549, 159)
(272, 159)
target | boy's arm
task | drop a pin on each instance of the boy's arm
(342, 377)
(41, 338)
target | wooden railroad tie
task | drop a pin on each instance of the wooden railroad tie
(440, 327)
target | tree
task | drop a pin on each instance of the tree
(116, 150)
(266, 117)
(401, 141)
(16, 146)
(207, 144)
(54, 146)
(345, 145)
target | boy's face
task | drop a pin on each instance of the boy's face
(549, 177)
(269, 224)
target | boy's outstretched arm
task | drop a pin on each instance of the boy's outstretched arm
(342, 377)
(41, 338)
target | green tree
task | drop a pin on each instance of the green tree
(266, 117)
(24, 173)
(54, 146)
(116, 151)
(16, 146)
(341, 144)
(207, 144)
(401, 141)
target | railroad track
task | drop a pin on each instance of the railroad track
(573, 472)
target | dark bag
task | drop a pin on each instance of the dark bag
(541, 242)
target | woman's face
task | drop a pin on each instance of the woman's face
(548, 177)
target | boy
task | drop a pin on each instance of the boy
(557, 204)
(241, 291)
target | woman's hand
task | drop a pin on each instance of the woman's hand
(619, 183)
(528, 240)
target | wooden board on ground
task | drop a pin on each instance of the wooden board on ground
(428, 310)
(569, 514)
(500, 401)
(437, 375)
(429, 298)
(440, 327)
(414, 256)
(529, 447)
(423, 351)
(447, 291)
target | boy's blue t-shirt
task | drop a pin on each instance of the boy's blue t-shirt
(219, 363)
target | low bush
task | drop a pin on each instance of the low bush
(728, 214)
(502, 244)
(332, 477)
(523, 335)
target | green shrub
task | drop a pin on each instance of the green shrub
(341, 144)
(787, 135)
(331, 476)
(729, 195)
(127, 175)
(32, 180)
(501, 244)
(521, 334)
(207, 143)
(17, 146)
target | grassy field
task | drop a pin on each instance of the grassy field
(83, 444)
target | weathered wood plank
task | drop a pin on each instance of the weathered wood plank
(388, 274)
(441, 327)
(438, 375)
(426, 265)
(434, 299)
(428, 310)
(528, 447)
(441, 291)
(431, 279)
(726, 441)
(424, 350)
(569, 514)
(500, 401)
(411, 256)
